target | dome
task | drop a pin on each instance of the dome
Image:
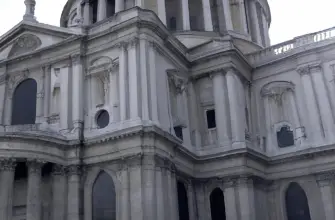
(249, 20)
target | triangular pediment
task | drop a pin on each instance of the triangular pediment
(27, 37)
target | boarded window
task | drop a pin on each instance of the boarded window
(24, 103)
(103, 198)
(285, 137)
(296, 203)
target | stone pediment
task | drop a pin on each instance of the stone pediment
(28, 37)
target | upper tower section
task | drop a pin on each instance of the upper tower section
(245, 19)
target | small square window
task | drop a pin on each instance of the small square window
(211, 122)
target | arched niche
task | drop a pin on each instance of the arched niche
(296, 203)
(24, 103)
(217, 205)
(103, 198)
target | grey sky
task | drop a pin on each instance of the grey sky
(290, 18)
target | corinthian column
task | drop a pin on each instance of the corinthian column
(7, 170)
(58, 192)
(325, 183)
(34, 205)
(73, 195)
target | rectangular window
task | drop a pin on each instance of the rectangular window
(178, 130)
(210, 115)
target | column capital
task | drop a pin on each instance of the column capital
(229, 183)
(7, 164)
(35, 166)
(58, 170)
(324, 179)
(244, 180)
(309, 68)
(75, 59)
(74, 170)
(133, 42)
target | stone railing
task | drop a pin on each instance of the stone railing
(279, 50)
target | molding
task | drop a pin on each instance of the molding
(277, 88)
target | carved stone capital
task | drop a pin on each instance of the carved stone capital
(325, 178)
(7, 164)
(122, 45)
(135, 161)
(133, 42)
(35, 166)
(58, 170)
(309, 68)
(74, 170)
(229, 183)
(244, 181)
(76, 59)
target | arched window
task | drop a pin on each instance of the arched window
(104, 198)
(218, 210)
(24, 103)
(285, 137)
(182, 202)
(296, 203)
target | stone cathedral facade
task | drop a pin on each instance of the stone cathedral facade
(165, 110)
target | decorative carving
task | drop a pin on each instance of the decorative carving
(24, 44)
(133, 42)
(7, 164)
(309, 68)
(35, 166)
(3, 78)
(76, 58)
(325, 177)
(58, 170)
(277, 89)
(244, 180)
(74, 170)
(180, 83)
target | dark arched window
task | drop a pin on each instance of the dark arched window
(104, 198)
(218, 210)
(285, 137)
(24, 103)
(182, 202)
(296, 203)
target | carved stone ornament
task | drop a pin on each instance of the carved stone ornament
(7, 164)
(180, 83)
(277, 89)
(24, 44)
(74, 170)
(15, 79)
(325, 177)
(58, 170)
(35, 166)
(309, 68)
(100, 65)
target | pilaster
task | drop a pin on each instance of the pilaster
(136, 192)
(144, 60)
(325, 183)
(119, 5)
(123, 69)
(102, 10)
(185, 15)
(47, 91)
(246, 198)
(227, 15)
(161, 10)
(87, 17)
(65, 83)
(73, 194)
(206, 7)
(77, 91)
(153, 84)
(59, 198)
(243, 16)
(160, 189)
(191, 201)
(230, 199)
(255, 31)
(125, 192)
(114, 102)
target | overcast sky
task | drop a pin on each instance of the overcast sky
(290, 18)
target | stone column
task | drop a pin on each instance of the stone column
(299, 130)
(227, 15)
(149, 187)
(254, 22)
(3, 99)
(7, 171)
(119, 5)
(153, 84)
(325, 183)
(125, 197)
(246, 197)
(133, 79)
(144, 76)
(73, 193)
(268, 123)
(266, 31)
(172, 190)
(136, 191)
(161, 200)
(185, 15)
(114, 103)
(102, 10)
(221, 111)
(191, 204)
(87, 17)
(47, 91)
(77, 92)
(64, 93)
(230, 199)
(237, 118)
(200, 200)
(194, 112)
(40, 97)
(34, 204)
(59, 192)
(323, 101)
(123, 69)
(206, 7)
(316, 132)
(161, 10)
